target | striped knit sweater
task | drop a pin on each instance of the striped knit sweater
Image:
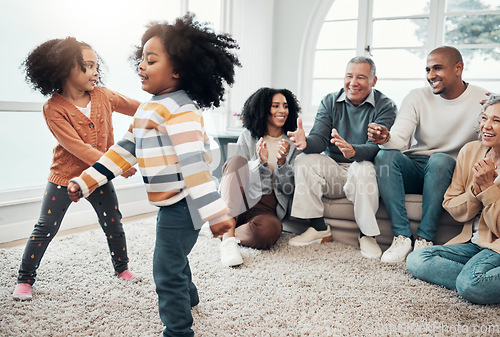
(168, 142)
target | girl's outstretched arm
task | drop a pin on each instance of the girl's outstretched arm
(121, 103)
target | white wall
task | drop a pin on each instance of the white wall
(295, 21)
(252, 27)
(251, 24)
(290, 27)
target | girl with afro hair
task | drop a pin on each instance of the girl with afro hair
(184, 66)
(258, 184)
(78, 114)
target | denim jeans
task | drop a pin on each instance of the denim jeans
(175, 237)
(398, 174)
(472, 270)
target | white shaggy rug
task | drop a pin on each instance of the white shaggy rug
(327, 290)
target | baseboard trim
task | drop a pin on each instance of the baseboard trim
(19, 209)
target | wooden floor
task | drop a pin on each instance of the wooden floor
(22, 242)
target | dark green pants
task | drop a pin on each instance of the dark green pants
(175, 237)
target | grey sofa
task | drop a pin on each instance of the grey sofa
(339, 214)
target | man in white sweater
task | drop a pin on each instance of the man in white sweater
(432, 125)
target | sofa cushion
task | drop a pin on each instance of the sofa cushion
(342, 208)
(339, 214)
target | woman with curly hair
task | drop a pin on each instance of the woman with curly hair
(78, 114)
(184, 66)
(258, 184)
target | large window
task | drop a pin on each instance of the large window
(398, 36)
(112, 28)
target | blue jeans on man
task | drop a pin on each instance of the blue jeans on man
(399, 174)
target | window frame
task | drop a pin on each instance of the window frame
(365, 21)
(27, 106)
(33, 106)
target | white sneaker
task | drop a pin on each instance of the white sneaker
(422, 243)
(397, 252)
(369, 247)
(230, 252)
(311, 236)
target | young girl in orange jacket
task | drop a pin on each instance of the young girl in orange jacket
(78, 114)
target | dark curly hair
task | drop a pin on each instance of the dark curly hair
(199, 55)
(257, 109)
(48, 66)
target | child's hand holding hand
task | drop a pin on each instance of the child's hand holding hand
(74, 191)
(221, 225)
(129, 173)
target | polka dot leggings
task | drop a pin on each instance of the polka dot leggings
(54, 205)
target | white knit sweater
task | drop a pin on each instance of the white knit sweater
(434, 124)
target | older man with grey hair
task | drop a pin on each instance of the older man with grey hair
(345, 169)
